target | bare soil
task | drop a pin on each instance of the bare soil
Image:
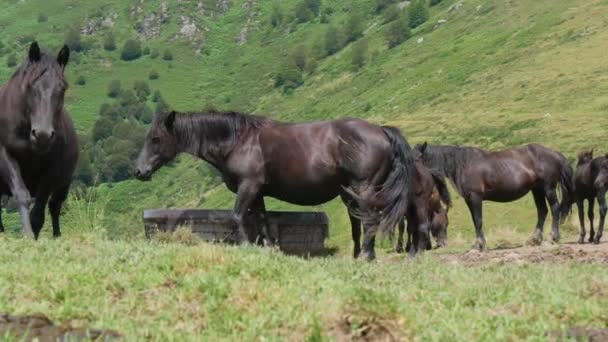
(38, 327)
(546, 253)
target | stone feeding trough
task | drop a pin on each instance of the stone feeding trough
(300, 233)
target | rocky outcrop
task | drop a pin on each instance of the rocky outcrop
(150, 26)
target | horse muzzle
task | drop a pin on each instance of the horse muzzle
(144, 175)
(41, 140)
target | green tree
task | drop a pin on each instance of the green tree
(333, 40)
(418, 13)
(81, 80)
(359, 56)
(435, 2)
(109, 43)
(157, 96)
(299, 56)
(114, 88)
(142, 90)
(162, 106)
(354, 27)
(391, 14)
(398, 32)
(102, 129)
(314, 6)
(303, 13)
(153, 75)
(84, 170)
(11, 60)
(383, 4)
(289, 78)
(131, 50)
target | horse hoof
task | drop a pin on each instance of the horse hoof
(581, 241)
(367, 257)
(399, 249)
(535, 241)
(596, 241)
(591, 239)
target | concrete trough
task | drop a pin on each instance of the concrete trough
(298, 233)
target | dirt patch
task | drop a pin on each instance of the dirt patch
(546, 253)
(580, 334)
(359, 328)
(38, 327)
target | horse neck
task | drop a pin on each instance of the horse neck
(193, 137)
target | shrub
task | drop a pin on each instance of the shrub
(157, 96)
(289, 78)
(11, 60)
(146, 51)
(102, 129)
(154, 54)
(359, 56)
(435, 2)
(162, 106)
(168, 55)
(1, 48)
(391, 14)
(153, 75)
(74, 41)
(114, 88)
(299, 57)
(354, 27)
(418, 13)
(398, 32)
(109, 44)
(42, 18)
(383, 4)
(276, 16)
(303, 13)
(314, 6)
(81, 80)
(131, 50)
(142, 90)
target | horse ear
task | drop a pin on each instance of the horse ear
(34, 53)
(591, 152)
(423, 147)
(64, 56)
(170, 120)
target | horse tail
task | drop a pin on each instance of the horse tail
(567, 187)
(442, 187)
(394, 193)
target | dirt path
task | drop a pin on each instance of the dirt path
(546, 253)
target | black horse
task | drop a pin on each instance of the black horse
(38, 143)
(506, 176)
(368, 166)
(590, 185)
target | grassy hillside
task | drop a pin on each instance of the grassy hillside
(494, 74)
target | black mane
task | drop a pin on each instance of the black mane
(46, 62)
(449, 160)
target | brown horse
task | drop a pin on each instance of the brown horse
(38, 143)
(588, 185)
(506, 176)
(425, 213)
(368, 166)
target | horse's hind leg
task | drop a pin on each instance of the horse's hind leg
(475, 207)
(601, 199)
(541, 211)
(259, 209)
(1, 223)
(355, 224)
(581, 218)
(555, 213)
(399, 246)
(590, 215)
(55, 204)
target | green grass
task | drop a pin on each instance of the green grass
(176, 292)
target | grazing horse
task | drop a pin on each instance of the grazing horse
(38, 143)
(506, 176)
(368, 166)
(589, 186)
(425, 213)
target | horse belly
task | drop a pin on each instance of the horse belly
(304, 193)
(503, 195)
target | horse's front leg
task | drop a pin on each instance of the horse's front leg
(259, 209)
(1, 222)
(590, 215)
(399, 246)
(580, 204)
(246, 195)
(555, 212)
(601, 199)
(11, 174)
(541, 211)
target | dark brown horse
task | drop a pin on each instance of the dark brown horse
(426, 213)
(590, 185)
(506, 176)
(38, 143)
(368, 166)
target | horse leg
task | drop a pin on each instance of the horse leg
(590, 215)
(412, 231)
(369, 240)
(399, 247)
(475, 207)
(424, 223)
(1, 223)
(541, 211)
(555, 213)
(10, 173)
(259, 208)
(355, 224)
(601, 199)
(581, 219)
(246, 195)
(37, 213)
(55, 204)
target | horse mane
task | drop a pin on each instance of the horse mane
(584, 156)
(215, 130)
(29, 69)
(450, 160)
